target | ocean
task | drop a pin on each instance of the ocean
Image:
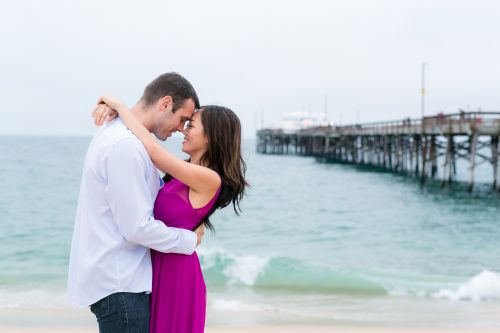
(316, 243)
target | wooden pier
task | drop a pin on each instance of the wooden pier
(426, 148)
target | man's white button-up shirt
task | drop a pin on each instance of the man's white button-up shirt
(114, 226)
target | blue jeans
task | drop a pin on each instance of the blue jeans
(122, 313)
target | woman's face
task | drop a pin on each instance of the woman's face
(195, 141)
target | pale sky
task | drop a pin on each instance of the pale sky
(256, 57)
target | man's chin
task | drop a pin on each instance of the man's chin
(164, 137)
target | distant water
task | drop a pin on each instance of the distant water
(315, 243)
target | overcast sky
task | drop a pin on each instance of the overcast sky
(260, 58)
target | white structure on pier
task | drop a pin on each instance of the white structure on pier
(294, 121)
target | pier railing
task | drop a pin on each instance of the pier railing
(487, 123)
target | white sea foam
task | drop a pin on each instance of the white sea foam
(244, 269)
(239, 306)
(484, 286)
(32, 298)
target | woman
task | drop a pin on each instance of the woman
(212, 178)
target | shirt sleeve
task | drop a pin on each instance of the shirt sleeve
(132, 205)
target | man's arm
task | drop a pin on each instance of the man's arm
(131, 203)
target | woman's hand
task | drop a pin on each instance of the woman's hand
(103, 113)
(107, 109)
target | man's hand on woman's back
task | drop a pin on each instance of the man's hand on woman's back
(200, 231)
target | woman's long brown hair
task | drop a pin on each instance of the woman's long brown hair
(223, 131)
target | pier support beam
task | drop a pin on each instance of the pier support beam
(391, 149)
(423, 176)
(399, 153)
(418, 143)
(495, 156)
(473, 148)
(433, 156)
(326, 151)
(449, 161)
(411, 145)
(386, 151)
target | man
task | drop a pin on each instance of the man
(110, 265)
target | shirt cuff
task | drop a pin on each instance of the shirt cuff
(187, 242)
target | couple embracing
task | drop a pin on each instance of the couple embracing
(133, 258)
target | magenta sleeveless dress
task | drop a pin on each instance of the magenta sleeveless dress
(178, 298)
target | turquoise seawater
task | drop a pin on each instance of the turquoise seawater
(315, 242)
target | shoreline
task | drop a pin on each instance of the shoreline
(57, 320)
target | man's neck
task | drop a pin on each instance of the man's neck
(140, 111)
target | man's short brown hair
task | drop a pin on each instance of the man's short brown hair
(173, 85)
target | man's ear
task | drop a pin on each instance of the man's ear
(166, 103)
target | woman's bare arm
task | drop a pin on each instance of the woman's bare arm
(199, 178)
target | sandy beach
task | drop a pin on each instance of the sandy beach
(82, 321)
